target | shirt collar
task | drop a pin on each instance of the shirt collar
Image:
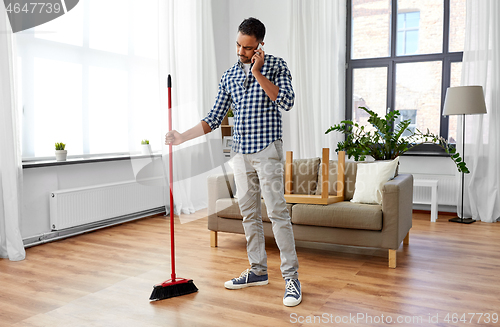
(240, 64)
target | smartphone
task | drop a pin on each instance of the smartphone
(260, 47)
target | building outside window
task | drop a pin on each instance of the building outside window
(407, 41)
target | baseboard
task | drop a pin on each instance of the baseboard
(440, 213)
(441, 208)
(69, 232)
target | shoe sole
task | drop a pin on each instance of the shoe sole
(229, 285)
(294, 303)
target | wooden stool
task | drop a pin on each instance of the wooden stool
(324, 198)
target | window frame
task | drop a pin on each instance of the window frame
(446, 57)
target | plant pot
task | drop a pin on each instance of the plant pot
(146, 149)
(230, 121)
(61, 155)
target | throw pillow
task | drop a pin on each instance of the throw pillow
(350, 174)
(305, 175)
(370, 178)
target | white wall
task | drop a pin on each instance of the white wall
(227, 16)
(220, 19)
(273, 14)
(427, 165)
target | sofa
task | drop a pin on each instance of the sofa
(383, 226)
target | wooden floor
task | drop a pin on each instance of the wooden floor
(105, 278)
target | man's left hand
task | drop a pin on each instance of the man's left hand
(258, 60)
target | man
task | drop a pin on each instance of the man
(257, 87)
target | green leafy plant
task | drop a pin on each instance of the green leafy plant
(230, 113)
(60, 146)
(145, 142)
(386, 143)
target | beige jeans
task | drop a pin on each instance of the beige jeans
(259, 174)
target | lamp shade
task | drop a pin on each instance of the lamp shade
(464, 100)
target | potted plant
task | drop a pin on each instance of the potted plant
(61, 153)
(385, 142)
(230, 117)
(145, 147)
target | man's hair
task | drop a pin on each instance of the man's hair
(253, 27)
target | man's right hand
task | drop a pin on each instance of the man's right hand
(173, 137)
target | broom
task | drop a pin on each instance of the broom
(174, 286)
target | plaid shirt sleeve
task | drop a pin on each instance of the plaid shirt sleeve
(283, 79)
(220, 108)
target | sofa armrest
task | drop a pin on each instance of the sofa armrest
(218, 188)
(397, 208)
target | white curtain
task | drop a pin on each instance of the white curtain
(481, 66)
(11, 243)
(317, 62)
(187, 53)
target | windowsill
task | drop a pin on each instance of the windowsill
(77, 160)
(425, 154)
(427, 150)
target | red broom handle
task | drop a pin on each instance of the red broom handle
(170, 179)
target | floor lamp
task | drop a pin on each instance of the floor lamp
(464, 100)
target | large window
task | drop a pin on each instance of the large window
(403, 55)
(90, 79)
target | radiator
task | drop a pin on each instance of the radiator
(447, 188)
(82, 206)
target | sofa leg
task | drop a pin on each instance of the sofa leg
(392, 258)
(213, 239)
(406, 241)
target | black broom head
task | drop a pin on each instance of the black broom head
(170, 289)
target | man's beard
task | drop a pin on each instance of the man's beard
(242, 61)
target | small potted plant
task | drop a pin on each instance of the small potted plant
(230, 117)
(61, 153)
(145, 147)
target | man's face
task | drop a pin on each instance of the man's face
(245, 47)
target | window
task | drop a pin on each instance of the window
(403, 55)
(407, 41)
(90, 80)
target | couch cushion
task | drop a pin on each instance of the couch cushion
(228, 208)
(305, 175)
(370, 179)
(342, 215)
(350, 179)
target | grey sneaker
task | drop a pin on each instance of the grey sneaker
(246, 279)
(293, 293)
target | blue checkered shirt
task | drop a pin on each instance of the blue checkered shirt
(257, 119)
